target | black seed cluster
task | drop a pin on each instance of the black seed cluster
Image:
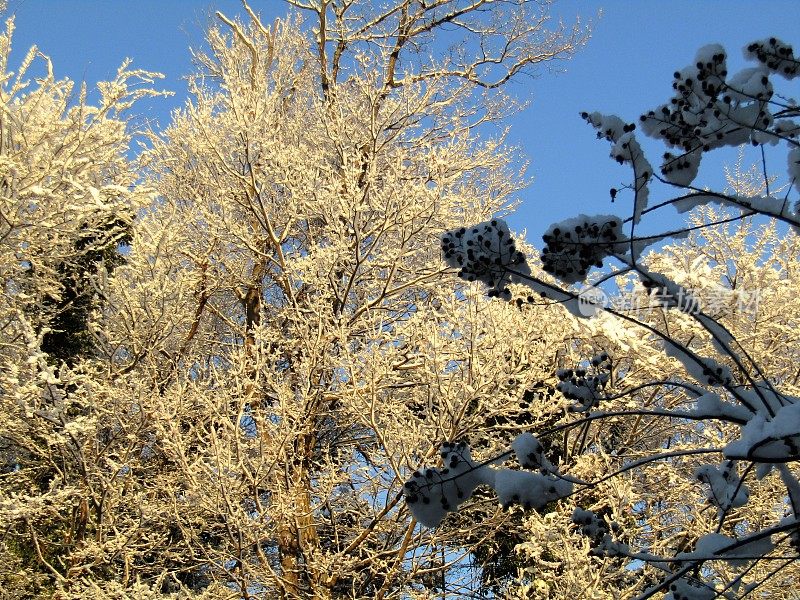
(426, 485)
(608, 127)
(535, 459)
(776, 55)
(570, 253)
(717, 376)
(484, 253)
(704, 112)
(586, 385)
(596, 529)
(623, 157)
(412, 491)
(674, 164)
(698, 103)
(451, 451)
(419, 487)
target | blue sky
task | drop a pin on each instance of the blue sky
(626, 68)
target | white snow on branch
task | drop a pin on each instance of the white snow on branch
(771, 439)
(704, 370)
(719, 546)
(531, 490)
(726, 488)
(431, 493)
(530, 453)
(710, 405)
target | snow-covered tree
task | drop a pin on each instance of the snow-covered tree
(66, 204)
(707, 501)
(276, 349)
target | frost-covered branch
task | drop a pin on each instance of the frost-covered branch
(754, 411)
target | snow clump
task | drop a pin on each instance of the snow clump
(772, 439)
(726, 488)
(625, 149)
(431, 493)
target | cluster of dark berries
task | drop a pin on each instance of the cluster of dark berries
(433, 492)
(454, 454)
(704, 113)
(586, 386)
(710, 110)
(598, 531)
(717, 375)
(693, 119)
(485, 253)
(414, 489)
(776, 55)
(573, 247)
(628, 150)
(683, 167)
(610, 127)
(534, 458)
(710, 74)
(521, 301)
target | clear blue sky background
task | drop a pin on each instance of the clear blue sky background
(626, 69)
